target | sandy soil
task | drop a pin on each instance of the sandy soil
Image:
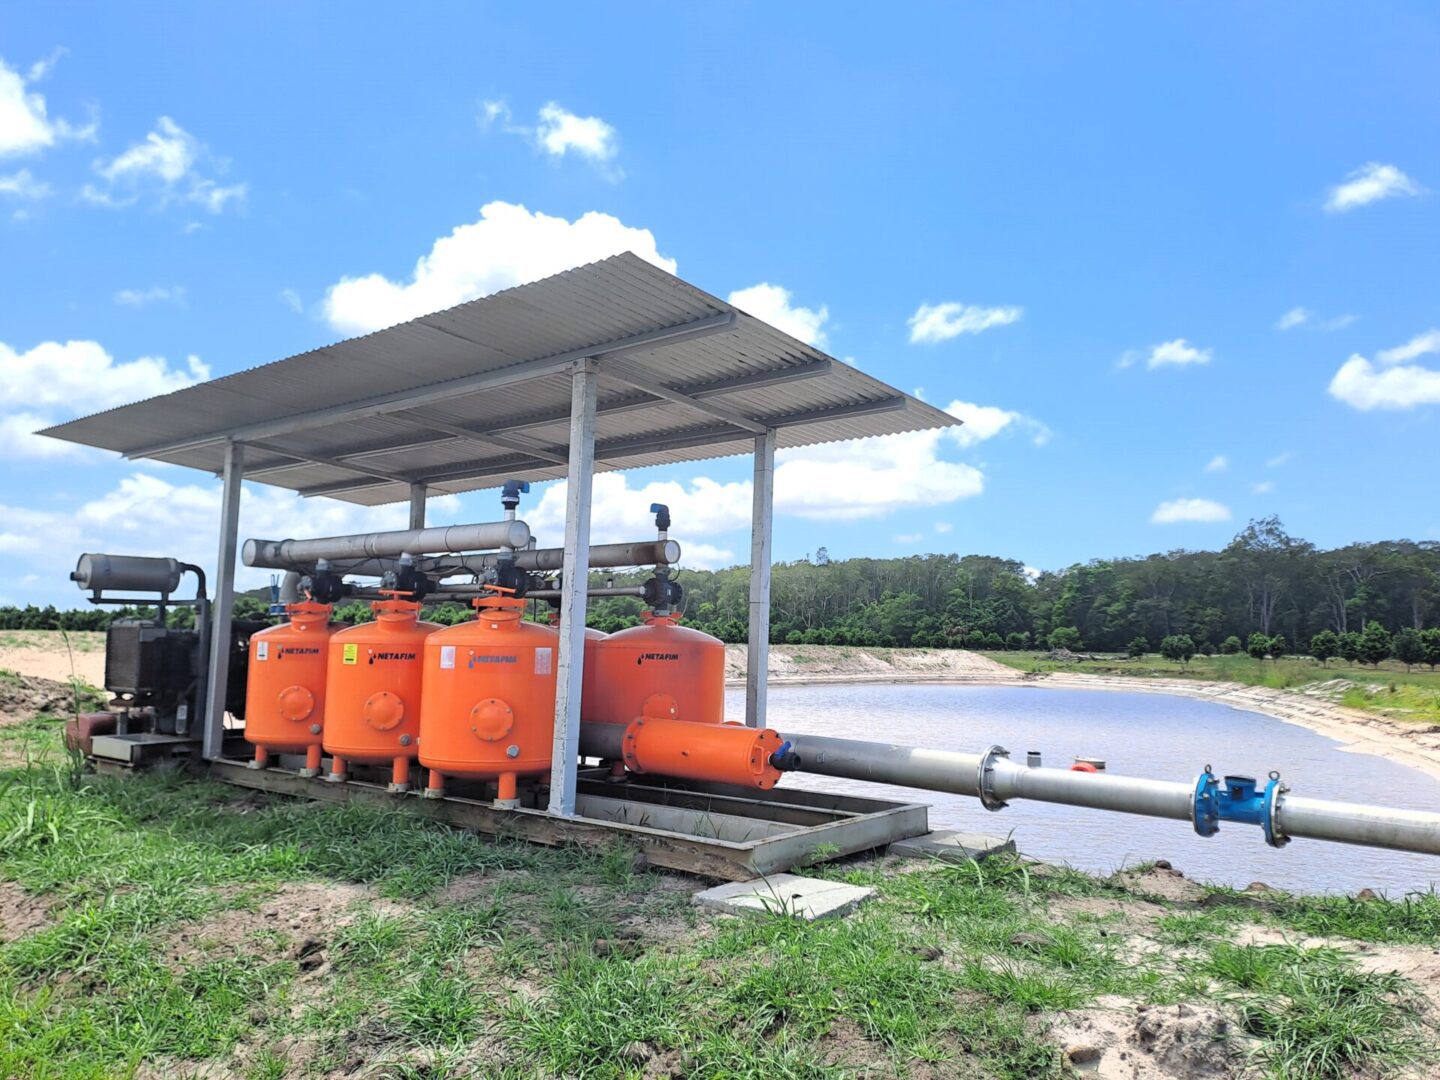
(43, 654)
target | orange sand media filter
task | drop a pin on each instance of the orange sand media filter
(285, 694)
(488, 707)
(659, 669)
(372, 710)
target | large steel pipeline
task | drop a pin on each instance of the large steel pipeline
(544, 560)
(996, 780)
(302, 554)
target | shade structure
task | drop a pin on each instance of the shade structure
(465, 398)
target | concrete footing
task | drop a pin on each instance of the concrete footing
(953, 846)
(786, 894)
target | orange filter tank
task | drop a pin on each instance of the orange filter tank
(659, 669)
(372, 712)
(727, 753)
(285, 695)
(488, 710)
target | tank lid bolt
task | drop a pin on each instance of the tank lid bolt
(404, 740)
(512, 750)
(314, 729)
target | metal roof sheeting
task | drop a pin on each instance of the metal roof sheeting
(375, 441)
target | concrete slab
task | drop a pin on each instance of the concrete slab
(953, 846)
(788, 894)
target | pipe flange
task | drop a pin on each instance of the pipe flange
(1270, 822)
(985, 777)
(1205, 809)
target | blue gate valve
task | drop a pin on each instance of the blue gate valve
(1238, 798)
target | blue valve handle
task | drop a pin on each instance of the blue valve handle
(1237, 798)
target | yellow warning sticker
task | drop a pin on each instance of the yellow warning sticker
(350, 655)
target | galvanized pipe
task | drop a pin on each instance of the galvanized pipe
(302, 554)
(542, 560)
(599, 590)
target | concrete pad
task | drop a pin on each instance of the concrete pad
(953, 846)
(786, 894)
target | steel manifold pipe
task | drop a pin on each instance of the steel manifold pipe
(301, 554)
(1206, 802)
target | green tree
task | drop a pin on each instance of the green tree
(1278, 646)
(1375, 644)
(1137, 647)
(1324, 646)
(1231, 645)
(1350, 646)
(1258, 645)
(1065, 637)
(1430, 642)
(1178, 647)
(1017, 640)
(1408, 648)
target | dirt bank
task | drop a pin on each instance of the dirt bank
(45, 654)
(1415, 745)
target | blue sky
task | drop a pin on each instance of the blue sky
(1093, 219)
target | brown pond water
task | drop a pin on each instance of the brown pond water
(1150, 735)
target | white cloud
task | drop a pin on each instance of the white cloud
(1178, 510)
(1339, 322)
(943, 527)
(771, 304)
(25, 123)
(507, 246)
(933, 323)
(1363, 386)
(1177, 353)
(1279, 459)
(57, 380)
(1370, 183)
(1264, 487)
(871, 478)
(167, 164)
(156, 294)
(1419, 345)
(1218, 463)
(561, 131)
(558, 131)
(291, 299)
(1296, 316)
(23, 185)
(908, 539)
(983, 422)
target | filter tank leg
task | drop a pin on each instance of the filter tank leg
(400, 776)
(338, 773)
(435, 786)
(262, 759)
(312, 761)
(505, 794)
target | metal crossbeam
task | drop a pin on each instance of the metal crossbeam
(630, 376)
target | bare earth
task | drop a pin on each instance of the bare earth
(44, 654)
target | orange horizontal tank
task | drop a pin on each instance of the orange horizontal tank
(488, 705)
(658, 669)
(724, 753)
(372, 710)
(285, 692)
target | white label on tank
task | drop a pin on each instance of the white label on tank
(262, 650)
(542, 661)
(447, 656)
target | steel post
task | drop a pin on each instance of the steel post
(223, 606)
(757, 653)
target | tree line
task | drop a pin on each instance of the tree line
(1265, 593)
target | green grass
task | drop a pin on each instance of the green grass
(584, 963)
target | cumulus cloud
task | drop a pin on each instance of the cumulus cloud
(1218, 463)
(23, 185)
(1419, 345)
(1367, 184)
(1177, 353)
(156, 294)
(772, 304)
(943, 527)
(1296, 316)
(55, 381)
(26, 126)
(1178, 510)
(1392, 381)
(172, 166)
(507, 246)
(933, 323)
(983, 422)
(1263, 487)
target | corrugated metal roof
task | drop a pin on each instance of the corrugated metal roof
(339, 421)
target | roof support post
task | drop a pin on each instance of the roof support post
(757, 654)
(224, 603)
(569, 669)
(418, 494)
